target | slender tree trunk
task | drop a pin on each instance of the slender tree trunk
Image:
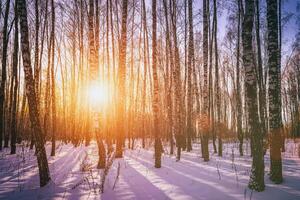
(211, 96)
(113, 62)
(217, 86)
(205, 113)
(109, 115)
(238, 85)
(137, 115)
(178, 122)
(101, 147)
(190, 71)
(185, 84)
(47, 97)
(170, 67)
(37, 65)
(14, 82)
(63, 86)
(279, 58)
(36, 50)
(257, 173)
(274, 92)
(22, 113)
(121, 82)
(31, 95)
(92, 47)
(155, 102)
(112, 42)
(76, 19)
(3, 73)
(97, 26)
(53, 95)
(131, 81)
(146, 69)
(261, 94)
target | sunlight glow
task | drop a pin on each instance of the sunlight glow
(98, 94)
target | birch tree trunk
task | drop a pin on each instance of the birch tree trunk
(3, 74)
(53, 95)
(274, 92)
(145, 72)
(31, 96)
(238, 85)
(205, 121)
(262, 102)
(36, 50)
(217, 86)
(257, 172)
(155, 101)
(170, 66)
(121, 82)
(178, 105)
(190, 62)
(14, 85)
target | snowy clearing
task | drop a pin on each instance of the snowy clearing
(75, 176)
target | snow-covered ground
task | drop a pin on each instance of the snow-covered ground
(74, 175)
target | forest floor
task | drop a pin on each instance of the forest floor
(74, 175)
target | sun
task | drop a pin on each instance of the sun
(98, 94)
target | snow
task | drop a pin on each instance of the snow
(75, 176)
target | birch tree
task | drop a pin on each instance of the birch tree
(121, 82)
(274, 92)
(205, 120)
(31, 95)
(190, 62)
(155, 101)
(3, 74)
(14, 85)
(257, 171)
